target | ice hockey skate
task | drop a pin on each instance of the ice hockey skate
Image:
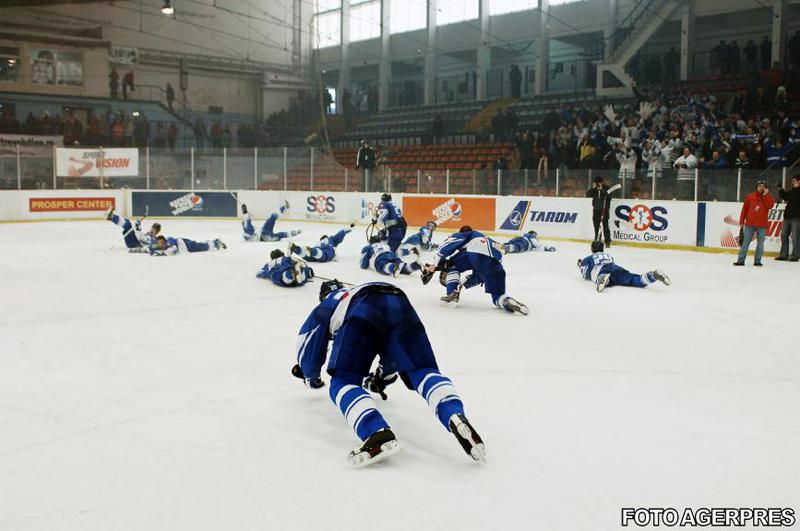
(377, 447)
(468, 438)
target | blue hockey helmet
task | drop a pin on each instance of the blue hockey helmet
(431, 225)
(386, 197)
(328, 287)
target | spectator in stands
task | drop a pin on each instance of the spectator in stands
(365, 161)
(766, 52)
(794, 52)
(141, 130)
(172, 135)
(498, 126)
(118, 132)
(510, 123)
(742, 162)
(170, 97)
(734, 58)
(524, 146)
(515, 80)
(127, 84)
(437, 129)
(685, 166)
(719, 54)
(199, 133)
(347, 109)
(750, 56)
(671, 63)
(791, 221)
(328, 100)
(160, 140)
(216, 135)
(113, 82)
(754, 220)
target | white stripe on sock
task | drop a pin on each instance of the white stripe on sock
(341, 393)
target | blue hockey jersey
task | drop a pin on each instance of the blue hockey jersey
(247, 226)
(323, 323)
(281, 271)
(373, 252)
(421, 239)
(470, 242)
(592, 265)
(389, 215)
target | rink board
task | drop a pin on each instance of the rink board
(654, 223)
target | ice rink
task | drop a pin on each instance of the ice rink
(141, 393)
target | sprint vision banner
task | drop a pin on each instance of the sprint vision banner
(110, 162)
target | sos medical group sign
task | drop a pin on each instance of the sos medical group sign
(111, 162)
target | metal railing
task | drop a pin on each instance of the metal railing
(313, 169)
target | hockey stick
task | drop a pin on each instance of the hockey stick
(133, 226)
(346, 284)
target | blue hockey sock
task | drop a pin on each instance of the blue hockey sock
(648, 279)
(453, 281)
(439, 392)
(359, 409)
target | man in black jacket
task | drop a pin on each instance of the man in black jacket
(365, 160)
(791, 221)
(601, 203)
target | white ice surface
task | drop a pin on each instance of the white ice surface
(147, 394)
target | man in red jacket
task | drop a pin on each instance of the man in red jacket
(753, 220)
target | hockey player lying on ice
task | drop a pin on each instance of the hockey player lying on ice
(527, 242)
(285, 271)
(469, 250)
(363, 322)
(379, 257)
(421, 240)
(325, 250)
(172, 246)
(266, 234)
(134, 237)
(599, 267)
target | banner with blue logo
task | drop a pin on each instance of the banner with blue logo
(550, 216)
(184, 204)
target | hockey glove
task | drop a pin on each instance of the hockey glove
(383, 234)
(377, 382)
(426, 275)
(549, 249)
(312, 383)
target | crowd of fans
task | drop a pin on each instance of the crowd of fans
(666, 133)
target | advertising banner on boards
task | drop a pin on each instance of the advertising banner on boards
(112, 162)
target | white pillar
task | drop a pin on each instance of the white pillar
(542, 49)
(779, 15)
(19, 169)
(687, 41)
(344, 67)
(611, 27)
(430, 55)
(484, 52)
(385, 65)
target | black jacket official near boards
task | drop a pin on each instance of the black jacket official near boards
(601, 204)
